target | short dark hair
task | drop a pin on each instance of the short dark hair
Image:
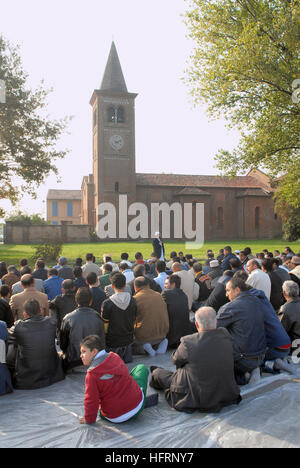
(23, 262)
(173, 254)
(78, 261)
(107, 267)
(83, 297)
(26, 270)
(247, 250)
(89, 257)
(267, 264)
(235, 263)
(228, 273)
(138, 255)
(175, 279)
(93, 342)
(53, 272)
(141, 282)
(118, 280)
(139, 270)
(107, 258)
(242, 274)
(32, 308)
(77, 272)
(40, 264)
(161, 266)
(68, 284)
(277, 261)
(197, 267)
(238, 283)
(123, 266)
(91, 278)
(4, 290)
(124, 256)
(228, 248)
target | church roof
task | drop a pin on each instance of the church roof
(64, 195)
(180, 180)
(113, 79)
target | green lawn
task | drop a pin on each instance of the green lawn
(11, 254)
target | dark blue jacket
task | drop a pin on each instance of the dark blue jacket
(275, 333)
(98, 297)
(225, 265)
(53, 287)
(244, 319)
(5, 379)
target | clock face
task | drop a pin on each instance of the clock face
(116, 142)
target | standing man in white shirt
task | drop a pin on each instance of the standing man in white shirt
(257, 278)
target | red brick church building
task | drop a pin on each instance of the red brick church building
(234, 208)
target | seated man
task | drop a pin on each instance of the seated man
(105, 278)
(127, 272)
(178, 311)
(160, 268)
(188, 284)
(243, 317)
(119, 313)
(32, 354)
(11, 277)
(5, 310)
(138, 271)
(152, 321)
(77, 325)
(290, 311)
(109, 388)
(90, 266)
(53, 285)
(5, 378)
(64, 303)
(29, 292)
(38, 283)
(217, 297)
(97, 293)
(204, 379)
(64, 271)
(40, 272)
(79, 281)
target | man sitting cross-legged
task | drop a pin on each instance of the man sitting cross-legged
(119, 313)
(204, 379)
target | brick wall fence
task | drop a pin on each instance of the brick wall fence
(27, 234)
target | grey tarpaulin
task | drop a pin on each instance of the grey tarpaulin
(267, 417)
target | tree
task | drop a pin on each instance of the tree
(245, 67)
(27, 139)
(24, 218)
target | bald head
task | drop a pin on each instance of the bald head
(176, 267)
(205, 319)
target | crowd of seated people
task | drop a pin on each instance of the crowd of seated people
(227, 319)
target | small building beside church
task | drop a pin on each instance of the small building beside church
(234, 208)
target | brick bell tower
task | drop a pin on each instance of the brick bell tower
(113, 136)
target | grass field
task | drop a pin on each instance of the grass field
(11, 254)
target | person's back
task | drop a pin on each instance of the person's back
(78, 324)
(65, 272)
(17, 301)
(40, 271)
(290, 311)
(37, 363)
(90, 267)
(5, 378)
(258, 279)
(10, 278)
(244, 319)
(276, 297)
(178, 311)
(152, 321)
(5, 310)
(204, 379)
(98, 294)
(64, 303)
(187, 282)
(53, 285)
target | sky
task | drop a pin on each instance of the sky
(66, 43)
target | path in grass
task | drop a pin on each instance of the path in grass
(12, 254)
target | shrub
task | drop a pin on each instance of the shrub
(49, 251)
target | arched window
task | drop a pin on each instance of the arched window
(257, 217)
(120, 115)
(220, 218)
(111, 115)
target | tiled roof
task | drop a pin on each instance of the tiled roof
(192, 191)
(64, 195)
(254, 193)
(179, 180)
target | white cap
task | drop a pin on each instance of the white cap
(214, 263)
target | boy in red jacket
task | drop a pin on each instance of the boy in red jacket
(108, 386)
